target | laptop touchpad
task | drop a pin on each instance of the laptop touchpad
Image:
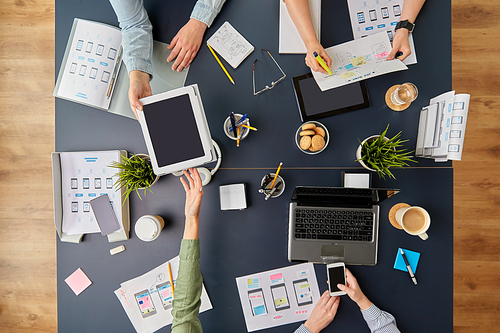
(332, 253)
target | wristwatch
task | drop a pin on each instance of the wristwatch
(405, 24)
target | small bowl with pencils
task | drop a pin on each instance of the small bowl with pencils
(237, 127)
(312, 137)
(272, 185)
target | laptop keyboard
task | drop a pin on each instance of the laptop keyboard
(333, 224)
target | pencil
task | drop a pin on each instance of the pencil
(238, 137)
(220, 63)
(113, 78)
(249, 127)
(276, 175)
(171, 279)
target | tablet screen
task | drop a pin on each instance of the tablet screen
(314, 103)
(173, 130)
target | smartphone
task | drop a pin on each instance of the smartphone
(397, 10)
(303, 292)
(335, 274)
(385, 12)
(373, 15)
(257, 302)
(104, 214)
(165, 293)
(145, 303)
(280, 297)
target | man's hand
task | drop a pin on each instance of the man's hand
(139, 88)
(323, 313)
(401, 44)
(186, 44)
(354, 291)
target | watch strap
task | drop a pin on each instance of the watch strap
(405, 24)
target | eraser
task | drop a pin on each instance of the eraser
(117, 249)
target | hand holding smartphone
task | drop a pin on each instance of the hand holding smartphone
(336, 274)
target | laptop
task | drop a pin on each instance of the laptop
(331, 224)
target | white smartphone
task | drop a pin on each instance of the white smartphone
(166, 296)
(145, 303)
(257, 302)
(336, 274)
(280, 297)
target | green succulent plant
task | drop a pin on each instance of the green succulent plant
(135, 173)
(380, 154)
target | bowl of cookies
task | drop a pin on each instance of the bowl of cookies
(312, 137)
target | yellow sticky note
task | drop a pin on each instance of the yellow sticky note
(305, 285)
(358, 61)
(280, 301)
(347, 75)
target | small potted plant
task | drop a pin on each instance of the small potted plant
(379, 153)
(136, 173)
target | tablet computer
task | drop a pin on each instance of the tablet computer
(176, 130)
(315, 104)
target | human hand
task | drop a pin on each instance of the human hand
(194, 193)
(186, 44)
(354, 291)
(311, 61)
(401, 44)
(139, 88)
(323, 313)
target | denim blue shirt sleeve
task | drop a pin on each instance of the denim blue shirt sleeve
(137, 34)
(137, 31)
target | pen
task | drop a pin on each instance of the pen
(276, 175)
(322, 63)
(220, 63)
(113, 78)
(408, 266)
(249, 127)
(270, 194)
(242, 119)
(171, 279)
(233, 124)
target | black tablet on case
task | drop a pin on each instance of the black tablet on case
(315, 104)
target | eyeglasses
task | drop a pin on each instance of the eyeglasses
(272, 83)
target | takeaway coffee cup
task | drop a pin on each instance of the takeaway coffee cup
(148, 227)
(414, 220)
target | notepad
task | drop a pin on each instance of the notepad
(230, 44)
(412, 257)
(78, 281)
(232, 197)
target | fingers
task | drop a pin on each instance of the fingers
(181, 60)
(175, 51)
(184, 184)
(392, 54)
(194, 179)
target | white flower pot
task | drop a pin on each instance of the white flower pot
(146, 157)
(358, 151)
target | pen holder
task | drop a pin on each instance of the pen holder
(244, 131)
(266, 188)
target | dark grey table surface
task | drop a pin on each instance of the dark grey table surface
(238, 243)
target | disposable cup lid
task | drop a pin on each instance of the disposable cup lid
(146, 228)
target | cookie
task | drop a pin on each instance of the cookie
(317, 142)
(312, 149)
(308, 126)
(319, 131)
(307, 132)
(305, 142)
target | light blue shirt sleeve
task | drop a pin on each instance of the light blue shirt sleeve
(302, 329)
(137, 34)
(206, 10)
(379, 321)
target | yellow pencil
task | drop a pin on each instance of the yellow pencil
(249, 127)
(238, 137)
(276, 175)
(171, 279)
(220, 63)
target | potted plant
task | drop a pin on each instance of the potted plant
(136, 173)
(379, 153)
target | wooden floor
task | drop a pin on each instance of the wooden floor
(27, 235)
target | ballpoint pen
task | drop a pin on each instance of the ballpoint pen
(113, 78)
(220, 64)
(241, 120)
(270, 194)
(322, 63)
(249, 127)
(233, 124)
(408, 266)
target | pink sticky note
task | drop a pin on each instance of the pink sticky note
(78, 281)
(381, 55)
(276, 276)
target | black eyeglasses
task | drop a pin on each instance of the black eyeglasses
(272, 83)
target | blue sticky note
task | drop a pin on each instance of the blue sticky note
(412, 257)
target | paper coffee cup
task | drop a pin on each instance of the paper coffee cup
(414, 220)
(148, 227)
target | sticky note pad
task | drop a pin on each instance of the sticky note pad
(78, 281)
(412, 257)
(232, 196)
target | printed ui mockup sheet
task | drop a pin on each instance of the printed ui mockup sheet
(147, 299)
(86, 175)
(92, 53)
(278, 297)
(358, 60)
(369, 17)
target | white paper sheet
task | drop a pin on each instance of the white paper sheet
(371, 17)
(91, 63)
(86, 175)
(149, 281)
(230, 44)
(358, 60)
(289, 38)
(279, 296)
